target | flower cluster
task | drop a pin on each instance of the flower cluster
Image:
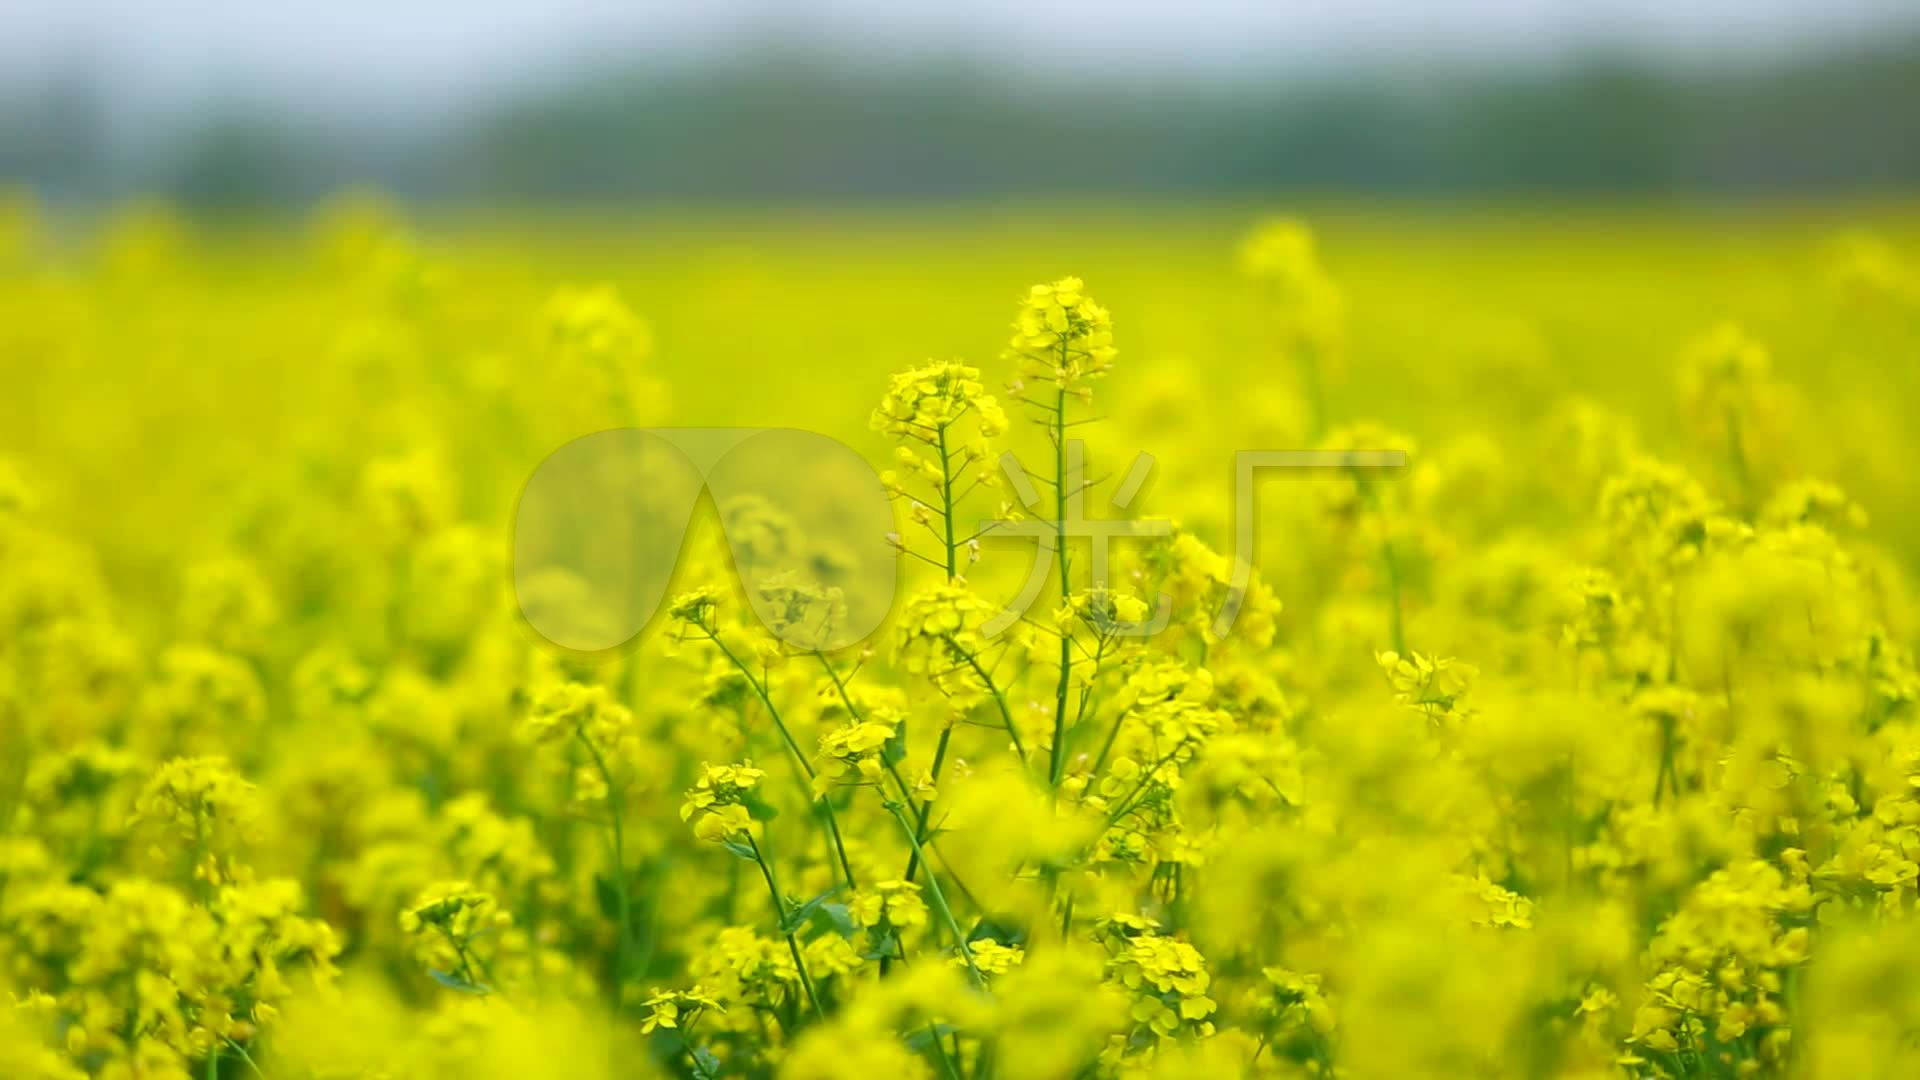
(1168, 978)
(449, 920)
(938, 461)
(1062, 337)
(1282, 255)
(853, 752)
(922, 402)
(716, 803)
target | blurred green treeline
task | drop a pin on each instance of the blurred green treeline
(777, 125)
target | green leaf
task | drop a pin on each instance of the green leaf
(801, 915)
(705, 1065)
(608, 896)
(882, 947)
(990, 930)
(740, 850)
(837, 917)
(758, 808)
(456, 983)
(921, 1039)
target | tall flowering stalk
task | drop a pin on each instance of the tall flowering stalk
(1308, 311)
(696, 615)
(926, 412)
(942, 421)
(854, 754)
(587, 718)
(716, 807)
(1062, 340)
(1380, 512)
(1726, 389)
(598, 340)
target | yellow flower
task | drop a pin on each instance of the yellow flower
(923, 403)
(851, 753)
(716, 803)
(991, 957)
(896, 904)
(1061, 336)
(1282, 255)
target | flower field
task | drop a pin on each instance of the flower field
(1585, 743)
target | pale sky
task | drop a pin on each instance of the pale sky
(156, 51)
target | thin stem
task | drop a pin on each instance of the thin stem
(905, 550)
(1393, 596)
(1107, 747)
(925, 813)
(1086, 696)
(618, 850)
(906, 797)
(925, 810)
(999, 699)
(1737, 456)
(244, 1056)
(940, 1050)
(760, 692)
(1392, 560)
(1316, 391)
(1666, 762)
(1056, 754)
(780, 913)
(1125, 806)
(946, 506)
(793, 748)
(938, 897)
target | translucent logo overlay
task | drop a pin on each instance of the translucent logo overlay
(601, 523)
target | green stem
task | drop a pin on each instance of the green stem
(940, 1051)
(1086, 697)
(1393, 596)
(934, 894)
(1666, 769)
(799, 759)
(780, 913)
(999, 699)
(1107, 748)
(1125, 805)
(906, 796)
(1316, 391)
(1056, 754)
(1737, 455)
(1392, 560)
(925, 813)
(244, 1056)
(946, 505)
(618, 851)
(925, 810)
